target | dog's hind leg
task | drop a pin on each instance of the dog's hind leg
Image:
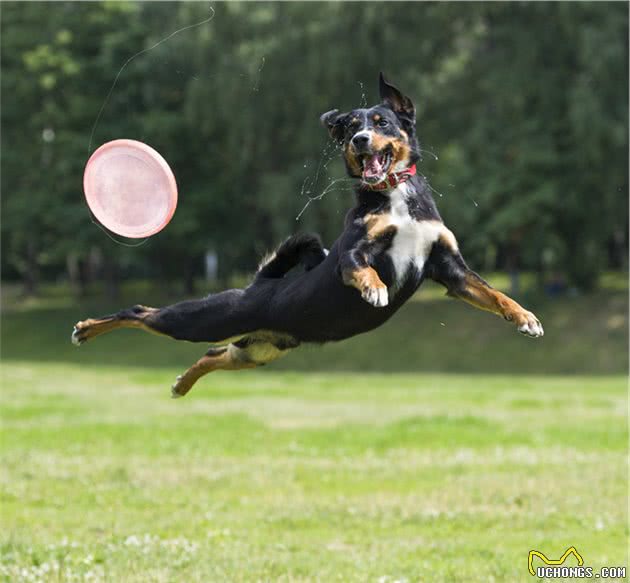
(224, 358)
(220, 318)
(135, 317)
(248, 353)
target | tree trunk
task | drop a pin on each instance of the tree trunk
(512, 261)
(75, 275)
(31, 270)
(111, 278)
(189, 279)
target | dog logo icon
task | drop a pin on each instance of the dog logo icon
(547, 561)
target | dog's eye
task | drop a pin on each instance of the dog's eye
(382, 123)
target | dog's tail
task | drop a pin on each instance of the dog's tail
(306, 249)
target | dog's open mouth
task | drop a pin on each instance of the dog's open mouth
(375, 166)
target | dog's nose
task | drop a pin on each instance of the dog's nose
(361, 140)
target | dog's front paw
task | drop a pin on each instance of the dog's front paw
(369, 285)
(528, 324)
(376, 296)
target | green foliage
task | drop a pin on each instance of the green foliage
(525, 104)
(543, 99)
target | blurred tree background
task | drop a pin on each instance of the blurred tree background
(522, 114)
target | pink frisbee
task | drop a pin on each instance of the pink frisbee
(130, 188)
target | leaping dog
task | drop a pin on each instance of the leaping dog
(392, 240)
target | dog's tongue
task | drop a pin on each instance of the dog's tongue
(373, 167)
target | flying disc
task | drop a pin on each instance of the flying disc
(130, 188)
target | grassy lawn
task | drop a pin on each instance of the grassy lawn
(286, 476)
(441, 447)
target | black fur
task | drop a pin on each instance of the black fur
(315, 305)
(306, 250)
(324, 302)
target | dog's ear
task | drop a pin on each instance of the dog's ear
(333, 122)
(401, 104)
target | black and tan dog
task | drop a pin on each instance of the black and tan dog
(393, 238)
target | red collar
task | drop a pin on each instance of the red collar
(393, 179)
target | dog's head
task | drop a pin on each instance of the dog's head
(379, 140)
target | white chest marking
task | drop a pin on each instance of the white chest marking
(413, 240)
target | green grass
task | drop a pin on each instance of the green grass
(440, 448)
(284, 476)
